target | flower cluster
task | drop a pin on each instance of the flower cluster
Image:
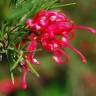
(53, 31)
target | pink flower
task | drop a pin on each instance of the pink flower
(53, 31)
(51, 24)
(25, 67)
(32, 48)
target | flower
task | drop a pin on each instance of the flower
(25, 68)
(53, 31)
(49, 25)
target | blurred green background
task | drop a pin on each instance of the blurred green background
(74, 78)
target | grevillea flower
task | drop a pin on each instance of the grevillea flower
(25, 67)
(49, 27)
(53, 31)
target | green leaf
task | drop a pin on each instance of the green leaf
(32, 69)
(48, 4)
(19, 11)
(12, 78)
(17, 62)
(58, 5)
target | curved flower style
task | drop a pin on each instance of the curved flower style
(54, 31)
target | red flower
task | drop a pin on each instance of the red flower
(54, 31)
(49, 25)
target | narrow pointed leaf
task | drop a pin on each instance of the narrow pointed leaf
(17, 62)
(12, 78)
(32, 69)
(62, 5)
